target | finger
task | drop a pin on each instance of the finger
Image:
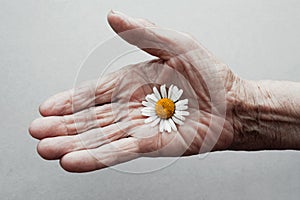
(56, 147)
(84, 96)
(93, 117)
(120, 151)
(162, 43)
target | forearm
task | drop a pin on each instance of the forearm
(266, 115)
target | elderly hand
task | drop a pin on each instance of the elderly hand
(100, 124)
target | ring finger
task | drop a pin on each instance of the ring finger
(54, 148)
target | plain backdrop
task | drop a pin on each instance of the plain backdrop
(42, 44)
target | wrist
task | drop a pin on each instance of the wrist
(265, 115)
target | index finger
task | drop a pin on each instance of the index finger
(84, 96)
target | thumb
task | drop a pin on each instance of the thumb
(162, 43)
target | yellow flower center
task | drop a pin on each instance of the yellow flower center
(165, 108)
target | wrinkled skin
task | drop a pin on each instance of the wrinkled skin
(99, 124)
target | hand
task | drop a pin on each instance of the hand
(100, 124)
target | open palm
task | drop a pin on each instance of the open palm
(100, 124)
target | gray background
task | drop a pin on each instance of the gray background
(42, 45)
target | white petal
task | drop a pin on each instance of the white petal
(172, 124)
(177, 95)
(182, 118)
(170, 91)
(167, 126)
(180, 108)
(150, 119)
(161, 125)
(148, 104)
(148, 109)
(182, 102)
(177, 121)
(148, 113)
(151, 98)
(180, 112)
(156, 93)
(155, 122)
(148, 99)
(175, 89)
(163, 91)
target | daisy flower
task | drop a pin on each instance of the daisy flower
(165, 108)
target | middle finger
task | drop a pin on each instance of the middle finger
(93, 117)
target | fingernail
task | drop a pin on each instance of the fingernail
(115, 12)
